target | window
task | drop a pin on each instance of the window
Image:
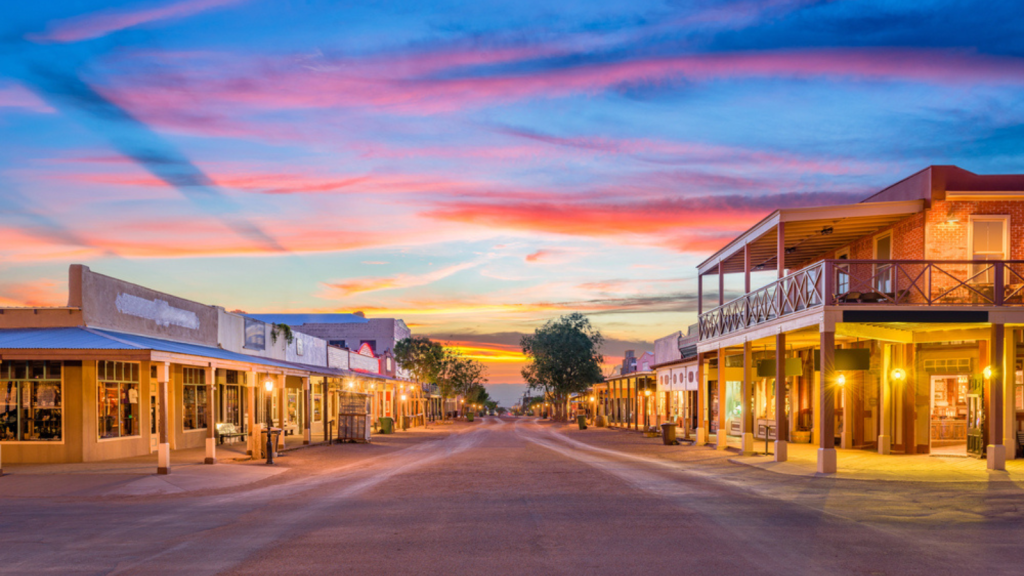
(988, 242)
(117, 398)
(842, 272)
(31, 401)
(340, 343)
(193, 397)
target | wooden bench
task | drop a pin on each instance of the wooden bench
(228, 430)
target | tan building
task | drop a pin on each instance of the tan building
(124, 370)
(891, 325)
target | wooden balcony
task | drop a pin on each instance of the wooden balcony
(852, 283)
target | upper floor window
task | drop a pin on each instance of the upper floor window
(988, 241)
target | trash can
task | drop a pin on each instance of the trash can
(602, 421)
(469, 416)
(387, 425)
(668, 433)
(582, 421)
(275, 434)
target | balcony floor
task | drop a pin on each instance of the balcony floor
(868, 465)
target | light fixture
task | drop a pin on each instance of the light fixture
(987, 372)
(269, 385)
(898, 374)
(951, 217)
(647, 392)
(826, 230)
(403, 397)
(841, 380)
(791, 249)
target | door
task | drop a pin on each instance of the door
(976, 421)
(842, 273)
(154, 423)
(883, 272)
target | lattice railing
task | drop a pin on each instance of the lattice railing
(875, 282)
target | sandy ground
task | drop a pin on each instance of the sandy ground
(522, 497)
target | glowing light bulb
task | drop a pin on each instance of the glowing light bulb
(841, 380)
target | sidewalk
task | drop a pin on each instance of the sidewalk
(870, 465)
(137, 476)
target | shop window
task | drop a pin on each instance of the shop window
(193, 414)
(117, 398)
(31, 401)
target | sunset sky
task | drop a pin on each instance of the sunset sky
(475, 168)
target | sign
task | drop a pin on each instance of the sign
(366, 350)
(255, 334)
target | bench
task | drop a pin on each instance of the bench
(228, 430)
(291, 429)
(1020, 443)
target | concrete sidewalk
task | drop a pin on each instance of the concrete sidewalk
(869, 465)
(137, 476)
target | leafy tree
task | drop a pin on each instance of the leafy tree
(421, 356)
(564, 358)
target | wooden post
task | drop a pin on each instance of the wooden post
(747, 395)
(721, 284)
(163, 451)
(723, 434)
(746, 269)
(211, 416)
(909, 402)
(250, 409)
(781, 423)
(282, 398)
(996, 451)
(885, 388)
(827, 405)
(307, 431)
(780, 247)
(702, 402)
(700, 294)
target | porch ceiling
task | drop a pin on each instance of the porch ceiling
(807, 234)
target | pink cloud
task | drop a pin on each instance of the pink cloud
(98, 24)
(17, 96)
(412, 85)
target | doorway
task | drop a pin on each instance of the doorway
(154, 423)
(949, 411)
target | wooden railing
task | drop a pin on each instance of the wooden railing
(872, 282)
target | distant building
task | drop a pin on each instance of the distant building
(349, 331)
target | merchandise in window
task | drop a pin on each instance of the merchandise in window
(117, 397)
(193, 414)
(31, 401)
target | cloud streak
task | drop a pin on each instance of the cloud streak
(99, 24)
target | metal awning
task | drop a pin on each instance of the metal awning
(808, 233)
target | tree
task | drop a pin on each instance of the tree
(564, 358)
(421, 356)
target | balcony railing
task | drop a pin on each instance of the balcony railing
(872, 282)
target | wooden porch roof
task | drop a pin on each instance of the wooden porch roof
(808, 232)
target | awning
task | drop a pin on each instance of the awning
(808, 233)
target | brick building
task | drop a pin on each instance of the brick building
(894, 324)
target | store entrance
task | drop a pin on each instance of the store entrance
(949, 407)
(154, 423)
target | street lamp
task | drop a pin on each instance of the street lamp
(269, 386)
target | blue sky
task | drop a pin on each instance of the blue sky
(474, 167)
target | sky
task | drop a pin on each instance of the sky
(475, 168)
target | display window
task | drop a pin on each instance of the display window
(31, 401)
(117, 399)
(193, 399)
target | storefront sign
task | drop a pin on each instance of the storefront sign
(255, 334)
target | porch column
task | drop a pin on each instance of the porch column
(700, 294)
(746, 269)
(747, 395)
(163, 451)
(307, 431)
(996, 450)
(885, 387)
(722, 437)
(1010, 415)
(702, 403)
(909, 401)
(282, 398)
(250, 411)
(827, 406)
(781, 422)
(211, 417)
(780, 247)
(721, 284)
